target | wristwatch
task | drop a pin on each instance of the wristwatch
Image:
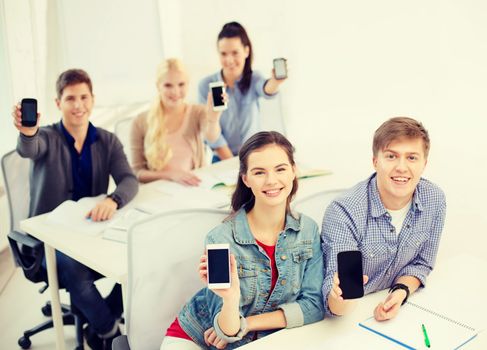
(403, 287)
(116, 199)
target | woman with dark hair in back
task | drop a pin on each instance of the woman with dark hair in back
(276, 262)
(243, 86)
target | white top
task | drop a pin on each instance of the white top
(398, 216)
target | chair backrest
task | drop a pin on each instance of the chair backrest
(163, 257)
(272, 116)
(27, 251)
(16, 171)
(315, 205)
(122, 129)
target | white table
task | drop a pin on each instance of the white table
(104, 256)
(345, 333)
(110, 258)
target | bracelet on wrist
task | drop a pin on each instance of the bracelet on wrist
(403, 287)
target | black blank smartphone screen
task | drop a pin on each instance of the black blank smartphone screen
(29, 111)
(350, 274)
(218, 269)
(217, 96)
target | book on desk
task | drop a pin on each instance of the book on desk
(406, 328)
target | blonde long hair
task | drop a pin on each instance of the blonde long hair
(156, 150)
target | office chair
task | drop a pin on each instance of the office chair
(163, 257)
(315, 205)
(27, 251)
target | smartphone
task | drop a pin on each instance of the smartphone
(280, 68)
(218, 266)
(217, 89)
(28, 108)
(350, 274)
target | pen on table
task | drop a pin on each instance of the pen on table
(425, 334)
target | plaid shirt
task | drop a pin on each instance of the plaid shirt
(358, 220)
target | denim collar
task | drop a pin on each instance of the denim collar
(377, 209)
(241, 228)
(236, 81)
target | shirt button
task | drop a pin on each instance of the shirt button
(283, 282)
(283, 257)
(371, 255)
(274, 304)
(392, 230)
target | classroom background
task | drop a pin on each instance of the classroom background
(352, 65)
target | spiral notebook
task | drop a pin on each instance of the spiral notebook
(405, 328)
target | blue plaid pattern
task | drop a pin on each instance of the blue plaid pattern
(358, 220)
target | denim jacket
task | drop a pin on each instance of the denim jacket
(297, 291)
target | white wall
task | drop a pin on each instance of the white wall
(117, 42)
(353, 64)
(356, 63)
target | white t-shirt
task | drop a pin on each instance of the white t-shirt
(398, 216)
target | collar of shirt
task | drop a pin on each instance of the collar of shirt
(243, 235)
(220, 76)
(377, 209)
(91, 135)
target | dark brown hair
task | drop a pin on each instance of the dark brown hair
(72, 77)
(236, 30)
(243, 196)
(396, 128)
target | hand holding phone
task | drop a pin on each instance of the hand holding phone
(28, 108)
(218, 266)
(350, 274)
(280, 68)
(217, 88)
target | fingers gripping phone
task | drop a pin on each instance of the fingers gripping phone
(218, 272)
(350, 274)
(217, 89)
(280, 68)
(28, 108)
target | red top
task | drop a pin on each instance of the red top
(270, 251)
(175, 329)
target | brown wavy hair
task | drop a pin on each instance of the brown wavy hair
(243, 196)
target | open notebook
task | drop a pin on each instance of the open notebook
(450, 311)
(405, 329)
(72, 215)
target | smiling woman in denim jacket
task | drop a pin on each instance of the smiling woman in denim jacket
(276, 260)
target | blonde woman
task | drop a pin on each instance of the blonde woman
(167, 140)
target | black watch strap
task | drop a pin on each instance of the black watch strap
(403, 287)
(116, 199)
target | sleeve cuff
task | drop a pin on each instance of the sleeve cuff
(265, 94)
(415, 272)
(220, 142)
(293, 313)
(241, 333)
(29, 138)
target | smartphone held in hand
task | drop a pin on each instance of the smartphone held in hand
(218, 266)
(350, 274)
(280, 68)
(217, 89)
(28, 108)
